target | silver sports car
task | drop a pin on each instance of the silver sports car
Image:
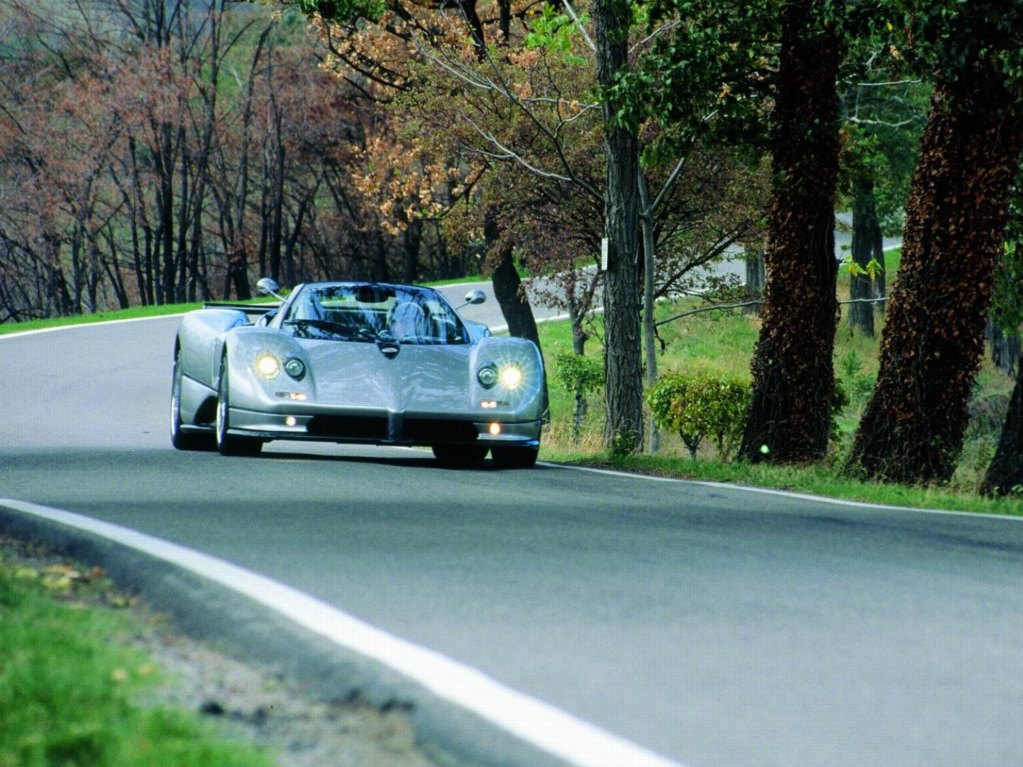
(355, 362)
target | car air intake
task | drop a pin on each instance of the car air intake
(348, 426)
(428, 429)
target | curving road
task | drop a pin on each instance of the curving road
(715, 626)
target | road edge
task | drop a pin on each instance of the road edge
(204, 604)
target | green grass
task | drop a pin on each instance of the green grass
(135, 313)
(822, 480)
(85, 319)
(722, 344)
(454, 281)
(72, 686)
(140, 312)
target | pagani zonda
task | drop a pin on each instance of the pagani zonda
(355, 362)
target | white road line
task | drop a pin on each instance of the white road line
(540, 724)
(782, 493)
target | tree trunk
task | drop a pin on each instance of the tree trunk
(649, 301)
(867, 246)
(1005, 473)
(182, 223)
(165, 202)
(881, 281)
(623, 363)
(413, 243)
(579, 334)
(755, 276)
(1005, 349)
(516, 309)
(793, 376)
(514, 305)
(913, 427)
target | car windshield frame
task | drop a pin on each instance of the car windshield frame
(369, 312)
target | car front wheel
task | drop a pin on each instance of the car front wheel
(229, 444)
(180, 439)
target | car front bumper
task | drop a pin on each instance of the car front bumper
(386, 427)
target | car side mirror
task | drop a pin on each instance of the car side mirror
(475, 297)
(269, 287)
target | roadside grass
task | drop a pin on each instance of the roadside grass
(134, 313)
(455, 281)
(141, 312)
(73, 689)
(823, 480)
(722, 344)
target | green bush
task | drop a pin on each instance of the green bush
(698, 406)
(855, 385)
(581, 376)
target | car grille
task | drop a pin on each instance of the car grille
(426, 429)
(420, 430)
(350, 426)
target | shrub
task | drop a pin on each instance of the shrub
(856, 385)
(579, 375)
(701, 405)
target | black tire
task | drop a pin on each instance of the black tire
(230, 444)
(514, 457)
(180, 439)
(458, 456)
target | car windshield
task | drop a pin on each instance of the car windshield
(368, 312)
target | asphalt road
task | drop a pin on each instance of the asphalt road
(715, 626)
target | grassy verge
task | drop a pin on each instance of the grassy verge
(87, 319)
(722, 344)
(72, 685)
(821, 480)
(141, 312)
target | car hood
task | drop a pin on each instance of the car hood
(359, 375)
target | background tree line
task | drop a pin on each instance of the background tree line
(157, 152)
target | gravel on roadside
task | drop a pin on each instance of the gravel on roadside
(252, 704)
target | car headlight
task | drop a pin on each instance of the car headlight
(295, 368)
(267, 365)
(510, 376)
(487, 376)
